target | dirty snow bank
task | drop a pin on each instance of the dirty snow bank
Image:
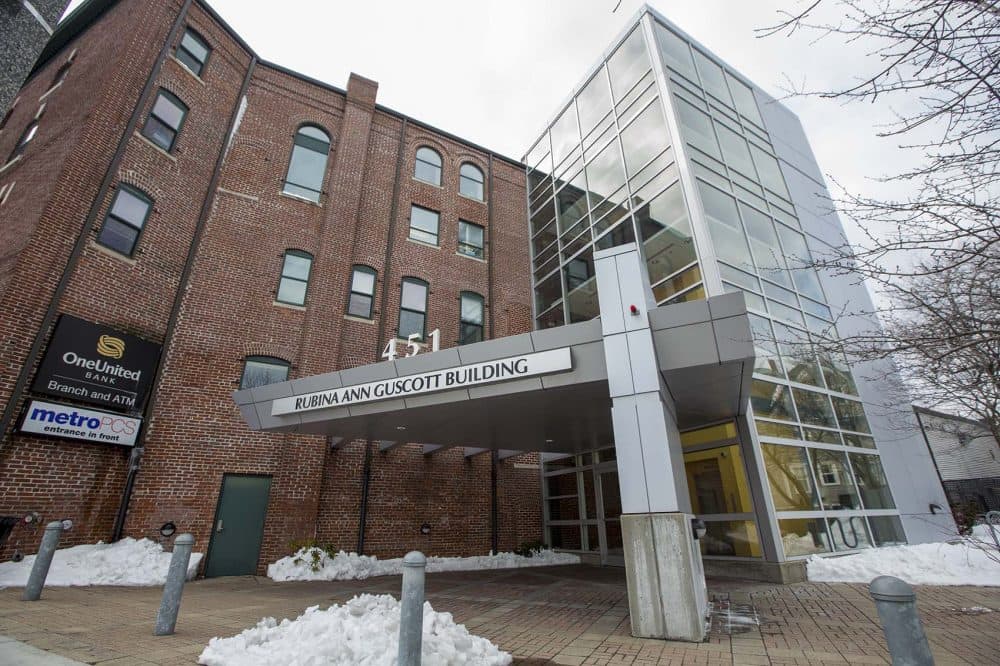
(961, 563)
(126, 562)
(316, 564)
(365, 630)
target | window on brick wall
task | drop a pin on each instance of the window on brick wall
(424, 224)
(263, 370)
(470, 181)
(294, 280)
(125, 220)
(470, 239)
(413, 308)
(307, 165)
(470, 318)
(362, 296)
(193, 51)
(427, 166)
(29, 133)
(165, 120)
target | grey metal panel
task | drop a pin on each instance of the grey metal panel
(630, 280)
(642, 357)
(446, 358)
(663, 480)
(727, 305)
(243, 397)
(565, 336)
(628, 451)
(328, 380)
(318, 415)
(679, 314)
(609, 293)
(267, 421)
(588, 366)
(619, 365)
(686, 346)
(505, 388)
(249, 413)
(368, 373)
(456, 395)
(733, 338)
(377, 407)
(271, 391)
(514, 345)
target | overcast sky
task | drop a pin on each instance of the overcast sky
(494, 72)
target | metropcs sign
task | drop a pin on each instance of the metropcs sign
(89, 425)
(475, 374)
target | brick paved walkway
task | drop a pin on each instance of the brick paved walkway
(561, 615)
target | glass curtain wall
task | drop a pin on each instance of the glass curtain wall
(602, 175)
(821, 461)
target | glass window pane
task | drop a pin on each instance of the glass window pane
(195, 46)
(168, 111)
(771, 400)
(861, 441)
(565, 537)
(717, 481)
(887, 530)
(745, 102)
(427, 166)
(851, 414)
(770, 172)
(730, 538)
(789, 477)
(564, 508)
(734, 150)
(312, 132)
(605, 174)
(410, 323)
(554, 317)
(306, 168)
(696, 128)
(470, 233)
(724, 226)
(581, 288)
(118, 236)
(677, 283)
(130, 208)
(296, 266)
(764, 243)
(767, 361)
(572, 200)
(837, 373)
(565, 135)
(423, 224)
(292, 291)
(804, 536)
(675, 52)
(799, 260)
(363, 281)
(644, 139)
(800, 364)
(159, 133)
(849, 533)
(836, 488)
(824, 436)
(359, 305)
(547, 292)
(472, 309)
(620, 235)
(628, 63)
(594, 102)
(872, 483)
(712, 77)
(666, 234)
(258, 372)
(786, 431)
(414, 296)
(470, 182)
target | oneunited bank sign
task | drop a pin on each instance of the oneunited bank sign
(464, 376)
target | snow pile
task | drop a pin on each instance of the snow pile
(365, 630)
(316, 564)
(125, 562)
(960, 563)
(982, 533)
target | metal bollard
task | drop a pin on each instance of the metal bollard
(166, 618)
(40, 569)
(992, 521)
(411, 609)
(897, 610)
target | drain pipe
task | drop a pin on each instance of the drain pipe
(133, 470)
(365, 483)
(494, 508)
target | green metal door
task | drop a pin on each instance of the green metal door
(239, 526)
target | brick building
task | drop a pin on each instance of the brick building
(161, 181)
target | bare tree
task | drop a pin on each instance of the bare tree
(935, 254)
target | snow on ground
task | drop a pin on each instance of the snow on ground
(126, 562)
(365, 630)
(961, 563)
(982, 533)
(316, 564)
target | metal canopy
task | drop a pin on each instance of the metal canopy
(705, 354)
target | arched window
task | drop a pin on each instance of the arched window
(308, 164)
(359, 303)
(470, 181)
(263, 370)
(294, 277)
(428, 166)
(165, 120)
(413, 308)
(125, 219)
(470, 318)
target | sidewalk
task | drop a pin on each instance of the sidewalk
(563, 615)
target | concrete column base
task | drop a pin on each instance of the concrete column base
(667, 597)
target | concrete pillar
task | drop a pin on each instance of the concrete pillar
(666, 580)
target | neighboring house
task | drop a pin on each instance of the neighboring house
(966, 455)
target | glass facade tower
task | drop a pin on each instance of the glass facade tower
(667, 146)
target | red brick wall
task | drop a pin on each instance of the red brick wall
(228, 310)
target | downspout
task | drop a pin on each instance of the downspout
(489, 244)
(206, 208)
(365, 483)
(494, 508)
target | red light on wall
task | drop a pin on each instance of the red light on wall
(634, 310)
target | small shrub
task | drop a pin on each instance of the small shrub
(529, 548)
(965, 516)
(314, 552)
